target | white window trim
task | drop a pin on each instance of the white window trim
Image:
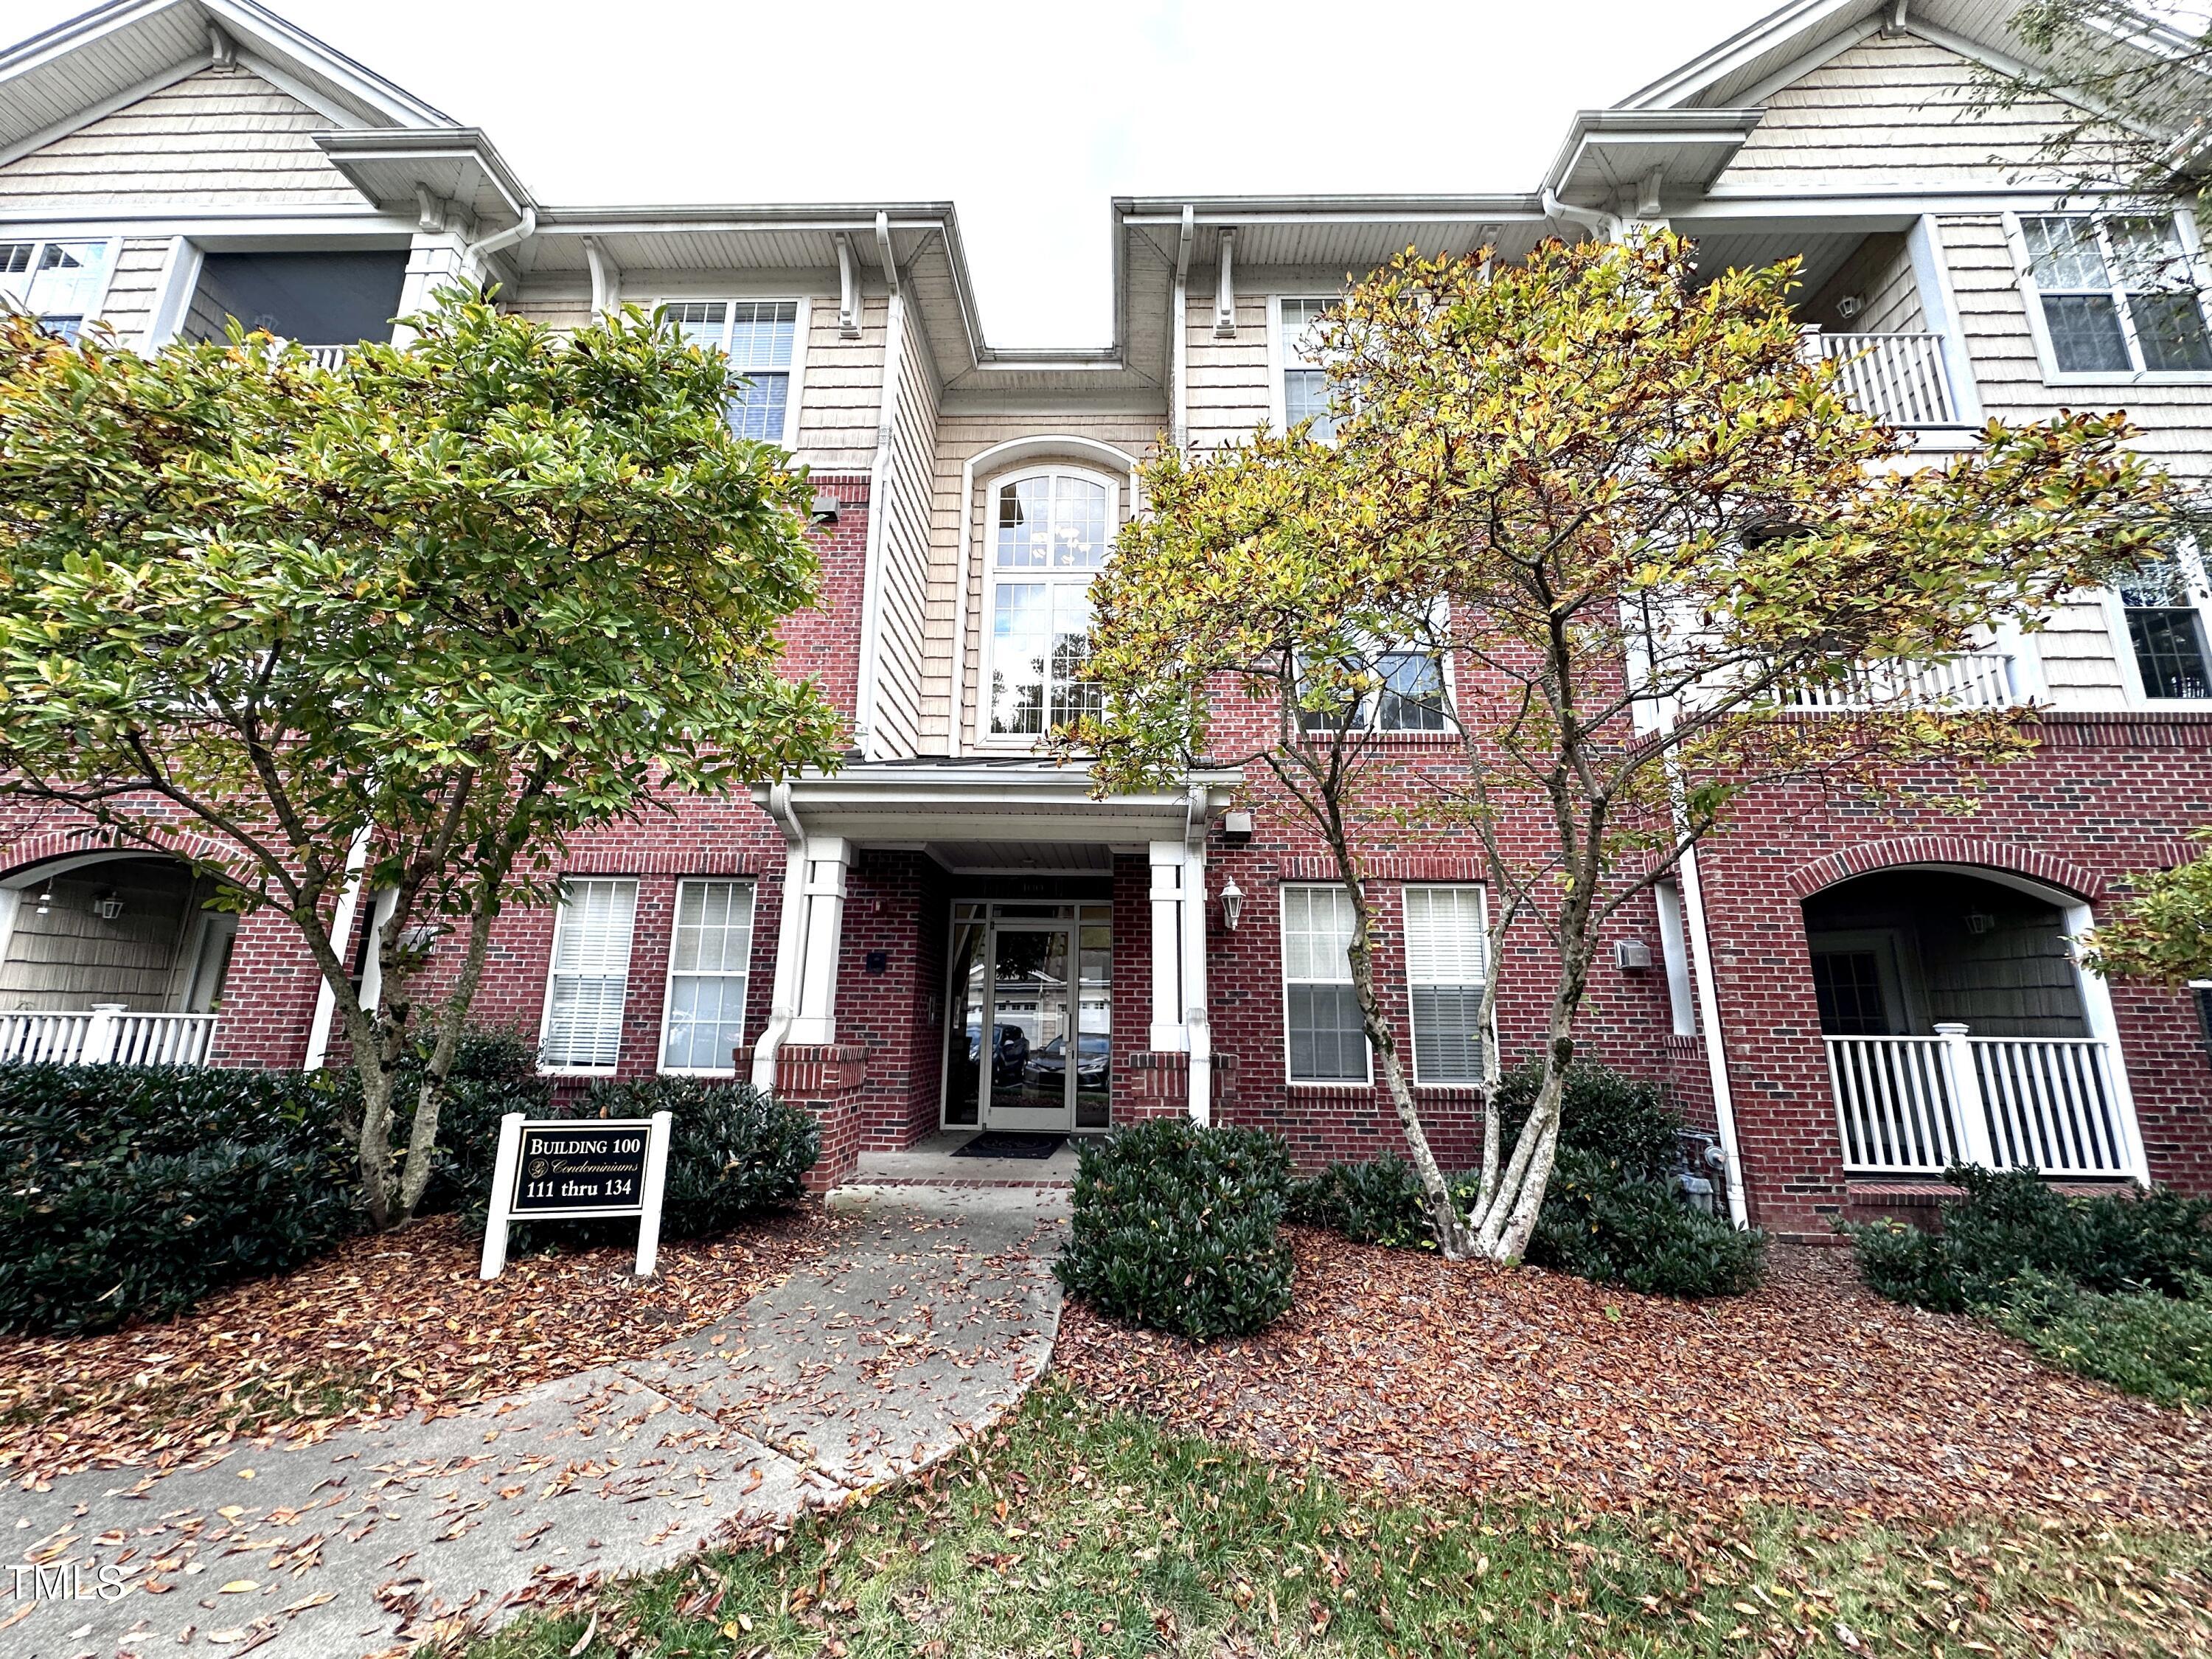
(1278, 354)
(553, 957)
(2031, 302)
(1674, 957)
(1022, 742)
(1283, 979)
(1413, 1026)
(2123, 646)
(668, 982)
(802, 322)
(114, 258)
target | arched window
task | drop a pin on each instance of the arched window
(1051, 531)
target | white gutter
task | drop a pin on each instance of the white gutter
(790, 938)
(1709, 1029)
(473, 254)
(1606, 226)
(326, 1000)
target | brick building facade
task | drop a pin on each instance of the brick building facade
(950, 931)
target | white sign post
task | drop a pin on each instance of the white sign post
(566, 1168)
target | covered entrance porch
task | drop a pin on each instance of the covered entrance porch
(1040, 1003)
(1959, 1028)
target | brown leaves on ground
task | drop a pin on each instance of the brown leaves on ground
(1397, 1367)
(383, 1325)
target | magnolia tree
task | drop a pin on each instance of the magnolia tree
(407, 624)
(1650, 538)
(2163, 930)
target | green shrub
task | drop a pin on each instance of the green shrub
(2144, 1342)
(733, 1150)
(2014, 1223)
(1179, 1228)
(1602, 1111)
(131, 1192)
(1602, 1222)
(1377, 1203)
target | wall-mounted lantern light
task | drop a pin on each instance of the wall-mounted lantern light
(107, 907)
(1232, 903)
(46, 901)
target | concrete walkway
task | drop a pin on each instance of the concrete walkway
(928, 1320)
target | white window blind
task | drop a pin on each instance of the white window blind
(709, 967)
(760, 338)
(1326, 1041)
(1445, 974)
(590, 975)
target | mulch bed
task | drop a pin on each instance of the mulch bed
(383, 1326)
(1398, 1368)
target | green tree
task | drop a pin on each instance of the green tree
(447, 605)
(1648, 536)
(2163, 930)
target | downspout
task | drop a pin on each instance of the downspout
(473, 255)
(1709, 1029)
(790, 938)
(880, 477)
(1605, 226)
(326, 1000)
(1197, 1023)
(1179, 405)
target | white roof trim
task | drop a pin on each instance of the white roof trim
(1679, 85)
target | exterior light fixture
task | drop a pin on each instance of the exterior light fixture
(1232, 903)
(825, 507)
(107, 907)
(46, 901)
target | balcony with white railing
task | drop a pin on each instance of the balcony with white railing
(1901, 380)
(1913, 1106)
(107, 1034)
(327, 356)
(1972, 680)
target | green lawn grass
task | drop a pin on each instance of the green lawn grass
(1079, 1533)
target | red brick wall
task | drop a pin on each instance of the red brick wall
(2106, 795)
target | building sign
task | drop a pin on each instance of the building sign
(568, 1169)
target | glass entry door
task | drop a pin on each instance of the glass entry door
(1029, 1040)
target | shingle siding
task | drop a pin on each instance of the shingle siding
(905, 511)
(221, 137)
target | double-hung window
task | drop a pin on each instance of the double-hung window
(590, 978)
(2117, 295)
(709, 965)
(1403, 691)
(1326, 1040)
(1305, 374)
(761, 337)
(2165, 629)
(60, 283)
(1051, 533)
(1445, 972)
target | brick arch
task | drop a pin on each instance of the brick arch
(15, 857)
(1868, 857)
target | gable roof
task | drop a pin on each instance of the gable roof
(114, 54)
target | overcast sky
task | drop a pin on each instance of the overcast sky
(1027, 117)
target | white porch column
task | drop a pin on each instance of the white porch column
(433, 261)
(1197, 1026)
(1167, 1031)
(2097, 1014)
(829, 858)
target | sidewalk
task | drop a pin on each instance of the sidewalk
(929, 1323)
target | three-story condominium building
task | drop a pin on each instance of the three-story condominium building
(950, 930)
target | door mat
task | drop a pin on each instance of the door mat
(1007, 1143)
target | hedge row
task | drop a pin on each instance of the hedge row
(132, 1192)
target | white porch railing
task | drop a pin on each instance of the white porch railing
(1899, 378)
(1972, 679)
(105, 1034)
(1915, 1105)
(326, 356)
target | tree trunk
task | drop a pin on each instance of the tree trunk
(453, 1021)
